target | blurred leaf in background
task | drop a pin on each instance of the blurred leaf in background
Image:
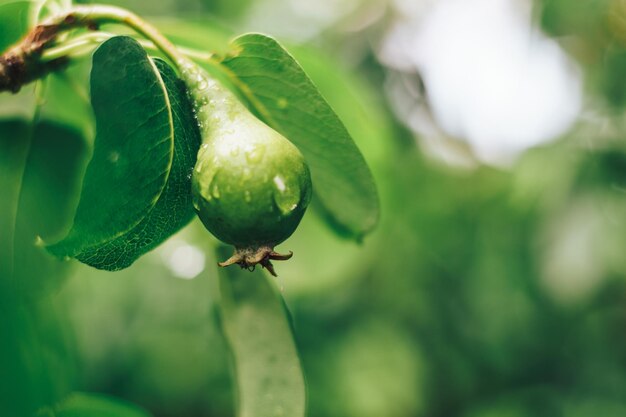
(594, 32)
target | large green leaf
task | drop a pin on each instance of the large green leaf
(351, 96)
(254, 318)
(133, 151)
(174, 208)
(67, 98)
(40, 170)
(13, 22)
(91, 405)
(13, 153)
(284, 96)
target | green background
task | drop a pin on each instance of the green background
(463, 302)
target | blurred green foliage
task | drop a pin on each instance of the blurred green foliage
(595, 34)
(483, 293)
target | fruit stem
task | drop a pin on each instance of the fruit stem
(94, 15)
(75, 47)
(24, 62)
(37, 54)
(83, 44)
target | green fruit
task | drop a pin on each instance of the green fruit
(251, 186)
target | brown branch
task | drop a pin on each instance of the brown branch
(22, 64)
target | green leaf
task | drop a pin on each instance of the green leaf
(174, 208)
(67, 98)
(133, 150)
(35, 355)
(358, 106)
(13, 154)
(91, 405)
(40, 171)
(284, 96)
(254, 318)
(13, 22)
(40, 168)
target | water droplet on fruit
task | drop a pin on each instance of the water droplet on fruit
(207, 181)
(215, 189)
(202, 83)
(286, 196)
(255, 155)
(202, 151)
(280, 183)
(200, 158)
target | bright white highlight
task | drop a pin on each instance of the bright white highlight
(186, 261)
(280, 184)
(491, 78)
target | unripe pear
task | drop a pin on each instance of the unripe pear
(251, 186)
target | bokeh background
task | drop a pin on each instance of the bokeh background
(495, 285)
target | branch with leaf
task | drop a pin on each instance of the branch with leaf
(242, 138)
